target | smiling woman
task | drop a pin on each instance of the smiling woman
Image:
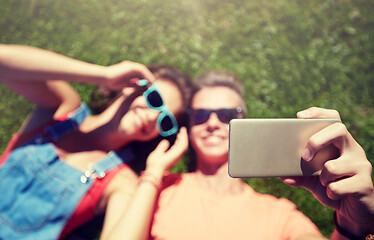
(165, 75)
(76, 151)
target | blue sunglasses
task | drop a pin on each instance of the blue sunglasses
(166, 122)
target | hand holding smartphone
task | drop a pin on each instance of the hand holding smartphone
(273, 147)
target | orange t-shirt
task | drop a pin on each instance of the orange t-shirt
(186, 211)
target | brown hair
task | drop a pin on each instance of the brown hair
(220, 78)
(102, 97)
(214, 78)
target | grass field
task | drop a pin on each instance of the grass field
(290, 55)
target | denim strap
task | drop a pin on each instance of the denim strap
(112, 160)
(75, 118)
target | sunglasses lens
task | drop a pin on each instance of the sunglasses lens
(154, 99)
(166, 123)
(200, 116)
(225, 115)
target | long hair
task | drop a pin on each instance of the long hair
(102, 97)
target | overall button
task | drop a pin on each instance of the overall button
(83, 179)
(101, 175)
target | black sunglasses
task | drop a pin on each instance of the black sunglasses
(200, 116)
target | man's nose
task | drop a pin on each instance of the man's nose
(213, 120)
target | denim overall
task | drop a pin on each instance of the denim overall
(38, 191)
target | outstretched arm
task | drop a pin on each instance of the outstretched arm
(36, 74)
(23, 64)
(345, 183)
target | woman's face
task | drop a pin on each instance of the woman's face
(210, 139)
(140, 122)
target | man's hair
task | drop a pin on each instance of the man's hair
(216, 78)
(220, 78)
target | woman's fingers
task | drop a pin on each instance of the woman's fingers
(161, 148)
(164, 157)
(121, 74)
(179, 147)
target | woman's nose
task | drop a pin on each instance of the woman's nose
(153, 114)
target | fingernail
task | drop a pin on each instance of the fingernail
(307, 155)
(142, 82)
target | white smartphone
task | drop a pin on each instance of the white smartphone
(273, 147)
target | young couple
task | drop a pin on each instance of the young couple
(63, 167)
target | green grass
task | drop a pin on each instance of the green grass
(289, 54)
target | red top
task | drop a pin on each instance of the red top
(86, 207)
(85, 210)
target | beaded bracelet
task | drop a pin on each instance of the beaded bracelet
(349, 235)
(149, 177)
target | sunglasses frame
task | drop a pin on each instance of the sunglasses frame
(163, 109)
(238, 110)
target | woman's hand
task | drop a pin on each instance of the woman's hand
(120, 75)
(345, 183)
(134, 222)
(162, 158)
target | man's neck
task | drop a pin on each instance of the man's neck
(219, 180)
